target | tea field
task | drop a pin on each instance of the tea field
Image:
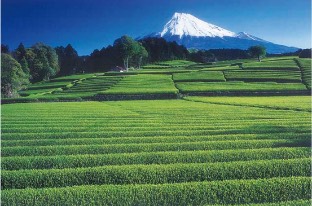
(172, 79)
(226, 133)
(157, 152)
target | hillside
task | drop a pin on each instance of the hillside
(227, 133)
(173, 79)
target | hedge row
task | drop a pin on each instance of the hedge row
(147, 96)
(154, 174)
(156, 139)
(305, 69)
(72, 161)
(196, 193)
(107, 134)
(213, 76)
(150, 147)
(285, 203)
(282, 76)
(240, 87)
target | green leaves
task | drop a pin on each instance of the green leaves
(13, 77)
(155, 174)
(191, 193)
(129, 48)
(257, 51)
(161, 152)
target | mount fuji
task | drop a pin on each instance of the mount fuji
(194, 33)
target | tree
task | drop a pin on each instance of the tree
(20, 52)
(24, 65)
(12, 76)
(257, 51)
(4, 49)
(141, 54)
(68, 59)
(42, 61)
(102, 60)
(126, 48)
(160, 50)
(305, 53)
(20, 55)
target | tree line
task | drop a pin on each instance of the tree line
(40, 62)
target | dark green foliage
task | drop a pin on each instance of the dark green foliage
(140, 55)
(42, 61)
(103, 60)
(20, 52)
(202, 56)
(160, 50)
(257, 51)
(69, 60)
(126, 48)
(214, 55)
(229, 54)
(24, 65)
(5, 49)
(306, 53)
(12, 76)
(128, 52)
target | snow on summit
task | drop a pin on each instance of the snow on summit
(182, 28)
(182, 24)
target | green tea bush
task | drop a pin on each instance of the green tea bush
(191, 193)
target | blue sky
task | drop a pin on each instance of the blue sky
(93, 24)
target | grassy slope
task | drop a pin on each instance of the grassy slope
(189, 77)
(44, 87)
(292, 102)
(200, 76)
(239, 87)
(143, 84)
(204, 151)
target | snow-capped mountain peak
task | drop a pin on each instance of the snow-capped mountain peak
(182, 28)
(244, 35)
(182, 24)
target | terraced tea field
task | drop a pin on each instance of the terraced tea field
(57, 84)
(305, 66)
(239, 87)
(199, 76)
(164, 152)
(285, 76)
(173, 79)
(300, 103)
(88, 87)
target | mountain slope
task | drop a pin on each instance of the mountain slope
(188, 25)
(194, 33)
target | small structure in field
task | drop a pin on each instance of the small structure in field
(118, 69)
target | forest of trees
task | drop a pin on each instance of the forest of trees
(24, 65)
(40, 62)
